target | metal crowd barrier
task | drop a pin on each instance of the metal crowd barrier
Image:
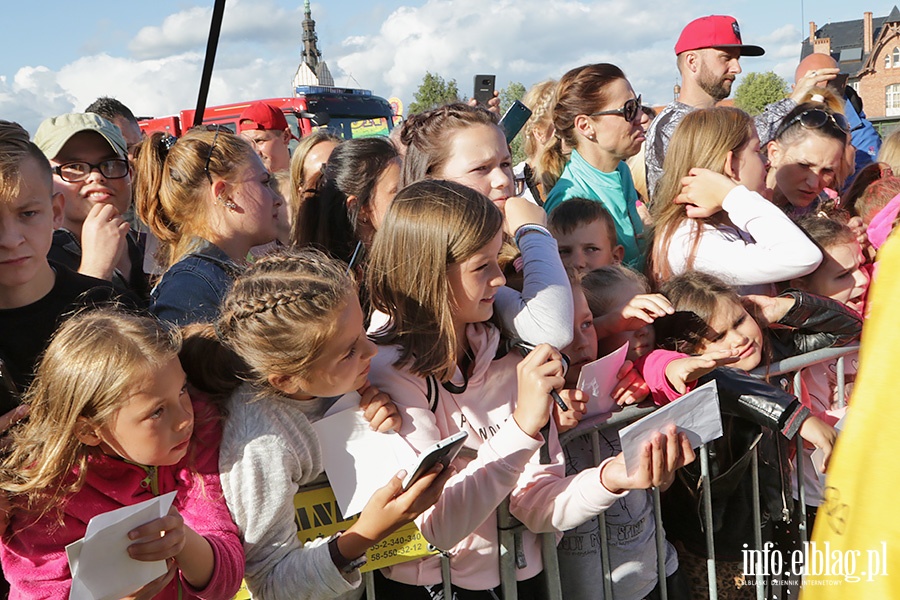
(510, 527)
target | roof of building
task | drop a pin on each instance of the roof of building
(847, 40)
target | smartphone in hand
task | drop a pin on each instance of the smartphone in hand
(442, 452)
(484, 89)
(514, 120)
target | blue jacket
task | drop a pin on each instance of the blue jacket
(193, 288)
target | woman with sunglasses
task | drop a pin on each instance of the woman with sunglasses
(598, 117)
(806, 156)
(208, 199)
(710, 214)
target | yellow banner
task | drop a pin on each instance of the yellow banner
(317, 515)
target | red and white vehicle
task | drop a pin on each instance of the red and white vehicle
(347, 112)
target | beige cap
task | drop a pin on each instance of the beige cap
(54, 132)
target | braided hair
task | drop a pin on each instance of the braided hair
(275, 320)
(427, 136)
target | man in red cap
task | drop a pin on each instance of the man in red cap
(265, 127)
(708, 52)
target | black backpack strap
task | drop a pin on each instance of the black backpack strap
(431, 392)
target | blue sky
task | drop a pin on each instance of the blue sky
(149, 54)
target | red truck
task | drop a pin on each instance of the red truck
(347, 112)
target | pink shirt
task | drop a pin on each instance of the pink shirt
(506, 462)
(33, 553)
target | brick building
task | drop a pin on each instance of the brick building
(868, 51)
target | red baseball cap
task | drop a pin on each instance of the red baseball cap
(714, 31)
(261, 115)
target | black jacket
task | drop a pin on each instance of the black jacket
(755, 414)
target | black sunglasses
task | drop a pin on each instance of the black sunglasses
(629, 111)
(816, 118)
(209, 156)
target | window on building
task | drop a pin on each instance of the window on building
(887, 61)
(892, 100)
(896, 60)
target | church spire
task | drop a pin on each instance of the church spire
(311, 54)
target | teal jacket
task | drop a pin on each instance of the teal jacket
(615, 191)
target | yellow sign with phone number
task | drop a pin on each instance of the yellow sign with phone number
(317, 515)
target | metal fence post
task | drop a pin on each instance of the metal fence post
(757, 520)
(660, 545)
(708, 522)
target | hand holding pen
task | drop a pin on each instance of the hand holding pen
(540, 374)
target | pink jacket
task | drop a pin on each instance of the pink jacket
(507, 462)
(652, 368)
(33, 553)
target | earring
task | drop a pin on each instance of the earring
(226, 203)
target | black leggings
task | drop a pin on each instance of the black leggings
(386, 589)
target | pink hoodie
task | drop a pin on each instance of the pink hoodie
(507, 462)
(33, 553)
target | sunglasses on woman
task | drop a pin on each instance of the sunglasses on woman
(629, 111)
(816, 118)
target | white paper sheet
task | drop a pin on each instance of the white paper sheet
(358, 460)
(597, 380)
(100, 565)
(696, 414)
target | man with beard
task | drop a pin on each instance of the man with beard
(708, 52)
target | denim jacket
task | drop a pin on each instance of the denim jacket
(193, 288)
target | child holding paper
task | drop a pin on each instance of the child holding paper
(711, 316)
(289, 340)
(630, 525)
(434, 272)
(111, 425)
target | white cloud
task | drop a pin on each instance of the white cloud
(522, 40)
(519, 40)
(257, 22)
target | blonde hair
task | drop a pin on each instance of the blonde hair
(172, 185)
(580, 92)
(540, 99)
(602, 285)
(93, 364)
(703, 139)
(430, 225)
(275, 320)
(890, 150)
(15, 148)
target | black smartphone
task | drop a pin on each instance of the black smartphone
(442, 452)
(514, 120)
(484, 88)
(839, 83)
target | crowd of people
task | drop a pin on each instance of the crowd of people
(178, 313)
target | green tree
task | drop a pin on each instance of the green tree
(759, 89)
(514, 91)
(433, 92)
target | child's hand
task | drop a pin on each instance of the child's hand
(390, 508)
(102, 241)
(519, 211)
(156, 586)
(821, 435)
(569, 419)
(378, 409)
(766, 309)
(630, 387)
(159, 539)
(538, 374)
(169, 537)
(641, 310)
(662, 456)
(702, 192)
(683, 371)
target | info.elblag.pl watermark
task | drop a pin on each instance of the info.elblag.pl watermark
(817, 561)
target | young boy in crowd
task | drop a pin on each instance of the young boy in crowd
(34, 292)
(91, 171)
(586, 234)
